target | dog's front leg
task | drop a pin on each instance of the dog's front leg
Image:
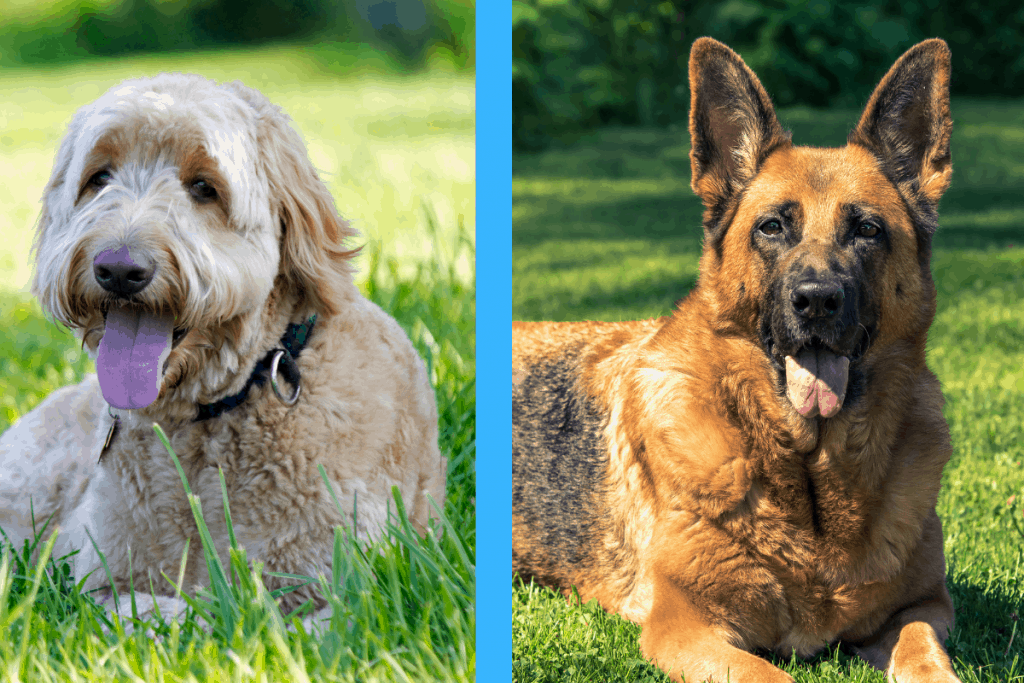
(678, 639)
(146, 605)
(919, 656)
(909, 647)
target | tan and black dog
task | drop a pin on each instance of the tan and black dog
(759, 470)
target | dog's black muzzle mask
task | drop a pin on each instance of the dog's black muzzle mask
(815, 325)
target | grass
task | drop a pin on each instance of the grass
(606, 228)
(397, 154)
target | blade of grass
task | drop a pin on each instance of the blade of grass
(226, 604)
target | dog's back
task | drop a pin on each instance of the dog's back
(562, 376)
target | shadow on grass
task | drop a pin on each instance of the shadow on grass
(673, 219)
(611, 222)
(986, 618)
(981, 217)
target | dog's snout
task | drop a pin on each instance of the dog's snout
(815, 299)
(122, 273)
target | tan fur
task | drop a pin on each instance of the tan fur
(720, 519)
(235, 272)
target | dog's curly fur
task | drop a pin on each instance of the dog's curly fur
(210, 187)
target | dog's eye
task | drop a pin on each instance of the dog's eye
(868, 229)
(101, 178)
(771, 228)
(202, 191)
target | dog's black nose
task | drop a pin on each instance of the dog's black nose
(815, 299)
(120, 273)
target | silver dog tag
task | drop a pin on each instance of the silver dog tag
(110, 437)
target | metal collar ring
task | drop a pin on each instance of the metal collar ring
(273, 380)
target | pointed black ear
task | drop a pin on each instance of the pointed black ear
(733, 126)
(907, 124)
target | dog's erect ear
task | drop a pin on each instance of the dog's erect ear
(732, 125)
(907, 123)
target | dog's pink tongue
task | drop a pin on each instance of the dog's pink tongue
(131, 355)
(816, 382)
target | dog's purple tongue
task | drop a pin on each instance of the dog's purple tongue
(816, 382)
(131, 356)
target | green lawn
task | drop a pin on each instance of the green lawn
(397, 153)
(607, 229)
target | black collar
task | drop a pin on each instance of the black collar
(294, 340)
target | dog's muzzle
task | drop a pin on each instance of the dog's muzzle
(818, 316)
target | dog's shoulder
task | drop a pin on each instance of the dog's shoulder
(361, 364)
(69, 417)
(363, 338)
(48, 456)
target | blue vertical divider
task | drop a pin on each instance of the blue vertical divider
(493, 341)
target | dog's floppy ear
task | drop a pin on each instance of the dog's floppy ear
(52, 268)
(732, 126)
(313, 253)
(907, 123)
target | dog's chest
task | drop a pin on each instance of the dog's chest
(140, 493)
(817, 596)
(800, 580)
(816, 614)
(144, 500)
(264, 473)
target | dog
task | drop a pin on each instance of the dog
(759, 470)
(187, 238)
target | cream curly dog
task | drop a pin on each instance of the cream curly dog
(186, 235)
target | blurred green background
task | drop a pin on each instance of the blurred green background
(382, 92)
(410, 32)
(580, 64)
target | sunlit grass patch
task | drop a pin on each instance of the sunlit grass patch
(400, 609)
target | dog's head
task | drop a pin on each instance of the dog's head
(821, 255)
(175, 208)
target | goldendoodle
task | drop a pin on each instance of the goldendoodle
(187, 237)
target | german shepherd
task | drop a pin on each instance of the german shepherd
(759, 470)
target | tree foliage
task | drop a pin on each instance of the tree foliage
(408, 30)
(582, 63)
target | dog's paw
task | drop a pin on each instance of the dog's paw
(146, 608)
